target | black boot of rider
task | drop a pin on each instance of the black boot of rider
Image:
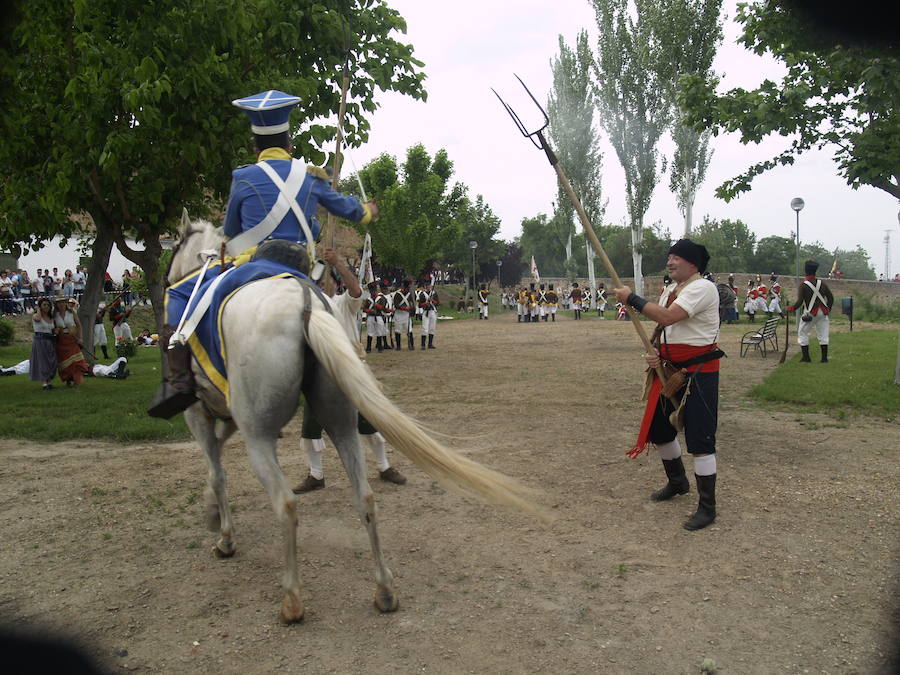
(805, 358)
(177, 390)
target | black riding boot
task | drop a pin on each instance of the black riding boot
(105, 353)
(805, 350)
(678, 483)
(431, 342)
(824, 349)
(706, 508)
(423, 342)
(368, 343)
(177, 391)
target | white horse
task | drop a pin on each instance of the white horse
(272, 358)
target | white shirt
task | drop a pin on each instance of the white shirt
(346, 308)
(700, 300)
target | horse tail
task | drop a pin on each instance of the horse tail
(329, 342)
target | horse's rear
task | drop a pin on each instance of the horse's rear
(267, 365)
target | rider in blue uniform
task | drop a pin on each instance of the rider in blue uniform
(276, 198)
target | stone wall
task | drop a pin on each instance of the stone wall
(883, 292)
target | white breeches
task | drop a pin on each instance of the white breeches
(429, 321)
(375, 326)
(761, 305)
(521, 309)
(99, 334)
(819, 323)
(484, 310)
(401, 321)
(122, 331)
(775, 306)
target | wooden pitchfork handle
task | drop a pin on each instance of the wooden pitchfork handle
(595, 242)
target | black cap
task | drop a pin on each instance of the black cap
(811, 266)
(696, 254)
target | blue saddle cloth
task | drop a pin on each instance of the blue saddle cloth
(206, 341)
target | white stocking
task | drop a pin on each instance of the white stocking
(314, 448)
(670, 450)
(376, 444)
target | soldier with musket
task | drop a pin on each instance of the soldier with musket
(687, 317)
(404, 307)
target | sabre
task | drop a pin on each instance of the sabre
(537, 138)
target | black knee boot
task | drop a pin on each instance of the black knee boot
(431, 342)
(706, 507)
(805, 358)
(379, 344)
(177, 391)
(412, 345)
(423, 342)
(824, 349)
(368, 343)
(397, 340)
(553, 316)
(678, 483)
(105, 353)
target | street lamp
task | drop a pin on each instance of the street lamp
(473, 245)
(797, 204)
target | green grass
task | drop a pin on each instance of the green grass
(859, 378)
(102, 409)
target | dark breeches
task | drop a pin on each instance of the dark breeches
(701, 412)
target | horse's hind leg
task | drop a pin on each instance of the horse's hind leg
(261, 449)
(211, 438)
(339, 419)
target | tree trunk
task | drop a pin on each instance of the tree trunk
(637, 236)
(689, 196)
(93, 287)
(148, 261)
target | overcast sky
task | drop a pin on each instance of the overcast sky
(469, 46)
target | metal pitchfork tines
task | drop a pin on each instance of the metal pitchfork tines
(537, 138)
(540, 143)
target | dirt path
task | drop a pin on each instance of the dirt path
(797, 575)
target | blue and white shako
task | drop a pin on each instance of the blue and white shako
(268, 111)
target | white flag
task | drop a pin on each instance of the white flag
(365, 273)
(534, 270)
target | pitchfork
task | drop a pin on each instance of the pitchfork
(537, 138)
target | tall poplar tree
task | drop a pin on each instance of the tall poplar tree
(634, 108)
(690, 32)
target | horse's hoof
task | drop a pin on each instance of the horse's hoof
(386, 601)
(292, 607)
(223, 550)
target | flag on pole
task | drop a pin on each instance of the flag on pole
(569, 248)
(534, 270)
(365, 274)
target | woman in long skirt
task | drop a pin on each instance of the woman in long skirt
(43, 347)
(71, 363)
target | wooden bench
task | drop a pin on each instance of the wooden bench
(761, 340)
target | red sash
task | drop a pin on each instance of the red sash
(675, 353)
